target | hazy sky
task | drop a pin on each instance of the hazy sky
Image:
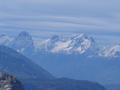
(98, 17)
(99, 8)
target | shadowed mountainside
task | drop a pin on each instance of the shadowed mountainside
(34, 77)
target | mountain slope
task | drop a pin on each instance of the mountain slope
(20, 66)
(113, 87)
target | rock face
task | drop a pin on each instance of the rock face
(8, 82)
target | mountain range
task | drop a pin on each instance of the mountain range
(75, 44)
(76, 57)
(20, 66)
(33, 77)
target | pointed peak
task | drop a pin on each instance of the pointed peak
(24, 33)
(55, 38)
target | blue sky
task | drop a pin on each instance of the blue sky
(45, 17)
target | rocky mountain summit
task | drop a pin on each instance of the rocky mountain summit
(8, 82)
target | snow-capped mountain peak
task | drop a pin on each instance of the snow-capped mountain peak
(113, 51)
(80, 43)
(24, 35)
(77, 43)
(5, 40)
(23, 42)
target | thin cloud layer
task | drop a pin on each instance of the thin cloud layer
(91, 16)
(61, 22)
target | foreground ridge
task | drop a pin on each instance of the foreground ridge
(8, 82)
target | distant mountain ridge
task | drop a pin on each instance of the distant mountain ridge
(76, 44)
